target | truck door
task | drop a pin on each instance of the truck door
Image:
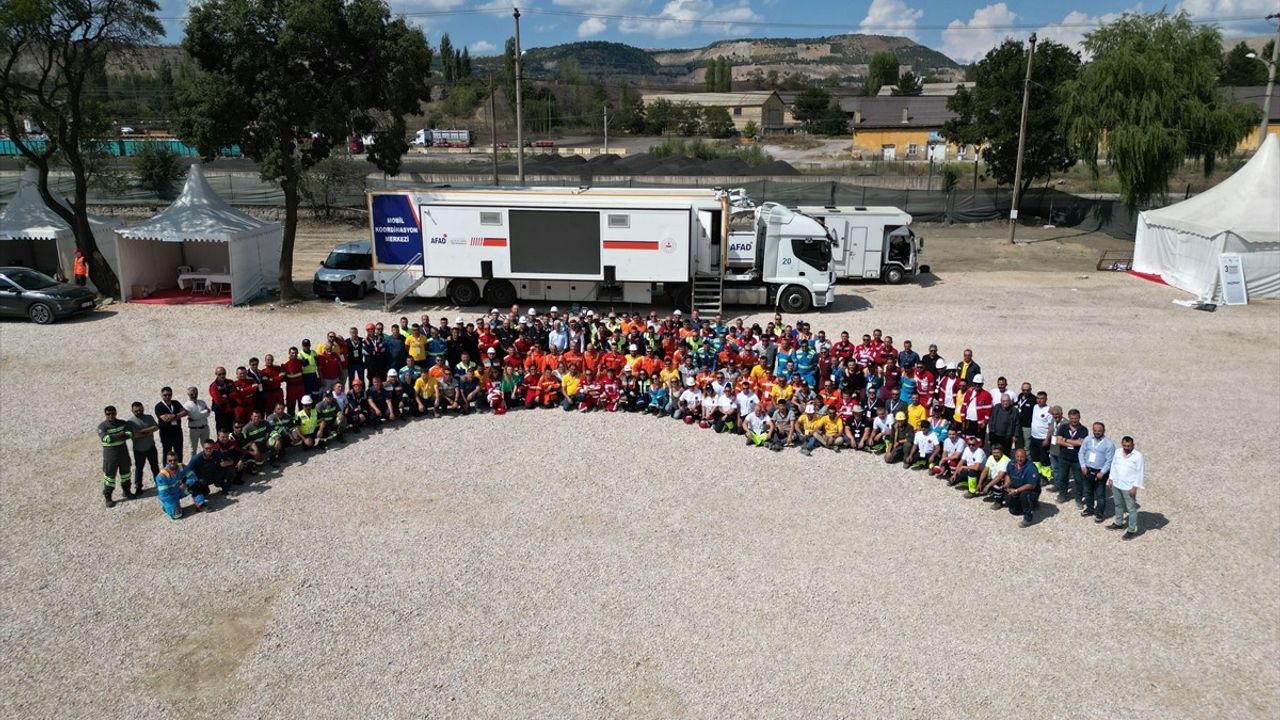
(856, 256)
(707, 242)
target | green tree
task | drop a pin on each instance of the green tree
(660, 117)
(158, 170)
(52, 52)
(909, 85)
(832, 121)
(717, 122)
(288, 80)
(629, 114)
(1238, 69)
(724, 75)
(750, 130)
(334, 183)
(464, 67)
(809, 106)
(687, 118)
(711, 76)
(1151, 94)
(447, 69)
(990, 111)
(882, 71)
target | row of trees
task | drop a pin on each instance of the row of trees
(1149, 100)
(719, 75)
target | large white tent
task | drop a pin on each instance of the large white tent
(34, 236)
(201, 231)
(1181, 243)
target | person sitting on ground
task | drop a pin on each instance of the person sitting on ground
(992, 480)
(924, 449)
(211, 466)
(878, 438)
(330, 427)
(1022, 487)
(806, 426)
(899, 439)
(758, 428)
(952, 450)
(173, 482)
(972, 461)
(308, 422)
(785, 433)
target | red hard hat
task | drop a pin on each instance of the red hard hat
(688, 419)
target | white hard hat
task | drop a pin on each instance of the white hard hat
(678, 312)
(532, 311)
(977, 379)
(458, 320)
(555, 309)
(306, 399)
(633, 347)
(810, 408)
(493, 311)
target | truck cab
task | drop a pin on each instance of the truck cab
(794, 254)
(871, 242)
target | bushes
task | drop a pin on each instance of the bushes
(700, 149)
(333, 183)
(158, 170)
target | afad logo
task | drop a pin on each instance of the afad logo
(441, 240)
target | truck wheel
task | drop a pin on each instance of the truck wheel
(360, 291)
(499, 293)
(682, 298)
(794, 299)
(40, 314)
(464, 293)
(894, 275)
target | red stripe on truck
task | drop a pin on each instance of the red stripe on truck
(495, 242)
(630, 244)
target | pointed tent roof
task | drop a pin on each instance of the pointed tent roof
(26, 215)
(198, 214)
(1247, 204)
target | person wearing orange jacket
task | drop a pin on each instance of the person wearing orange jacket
(80, 269)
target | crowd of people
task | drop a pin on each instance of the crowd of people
(778, 386)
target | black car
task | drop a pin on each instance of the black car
(27, 293)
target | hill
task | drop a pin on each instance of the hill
(753, 59)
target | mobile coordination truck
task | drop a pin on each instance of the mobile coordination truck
(871, 242)
(444, 138)
(500, 246)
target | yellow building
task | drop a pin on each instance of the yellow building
(762, 106)
(1256, 95)
(901, 128)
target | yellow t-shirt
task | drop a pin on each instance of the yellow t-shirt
(832, 426)
(917, 414)
(667, 375)
(417, 347)
(781, 392)
(425, 386)
(569, 383)
(809, 425)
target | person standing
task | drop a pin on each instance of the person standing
(1042, 427)
(1068, 438)
(1002, 428)
(142, 429)
(113, 433)
(1128, 469)
(169, 414)
(310, 369)
(1096, 453)
(80, 269)
(1025, 401)
(272, 377)
(220, 393)
(355, 357)
(197, 419)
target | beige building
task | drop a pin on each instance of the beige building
(762, 106)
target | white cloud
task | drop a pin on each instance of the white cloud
(591, 26)
(891, 17)
(969, 41)
(1072, 29)
(680, 17)
(483, 46)
(1204, 9)
(408, 6)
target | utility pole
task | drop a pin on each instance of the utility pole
(1022, 142)
(493, 131)
(606, 128)
(1271, 81)
(519, 102)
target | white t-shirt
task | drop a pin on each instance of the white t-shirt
(724, 403)
(691, 398)
(757, 423)
(1041, 421)
(882, 424)
(995, 467)
(951, 447)
(708, 405)
(973, 456)
(925, 442)
(747, 403)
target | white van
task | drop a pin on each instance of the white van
(347, 272)
(871, 242)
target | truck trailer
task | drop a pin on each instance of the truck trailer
(499, 246)
(871, 242)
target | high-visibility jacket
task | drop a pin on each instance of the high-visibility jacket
(307, 421)
(308, 362)
(80, 267)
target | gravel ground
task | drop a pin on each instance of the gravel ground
(545, 564)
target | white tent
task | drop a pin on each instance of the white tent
(200, 230)
(1181, 243)
(34, 236)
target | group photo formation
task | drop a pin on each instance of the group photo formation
(783, 385)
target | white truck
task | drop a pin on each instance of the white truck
(498, 246)
(871, 242)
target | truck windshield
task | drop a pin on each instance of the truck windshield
(815, 251)
(348, 261)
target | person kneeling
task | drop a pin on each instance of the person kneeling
(1022, 487)
(173, 482)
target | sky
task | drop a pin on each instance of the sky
(963, 30)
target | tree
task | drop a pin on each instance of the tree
(464, 67)
(687, 118)
(659, 117)
(909, 85)
(629, 115)
(447, 68)
(711, 76)
(809, 106)
(989, 112)
(832, 121)
(50, 53)
(158, 169)
(1151, 94)
(882, 71)
(333, 183)
(288, 80)
(1240, 70)
(717, 122)
(724, 75)
(750, 130)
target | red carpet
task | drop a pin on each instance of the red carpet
(174, 296)
(1148, 276)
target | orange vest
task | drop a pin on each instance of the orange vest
(81, 266)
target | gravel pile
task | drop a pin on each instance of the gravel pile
(547, 564)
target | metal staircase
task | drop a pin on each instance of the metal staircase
(708, 293)
(389, 301)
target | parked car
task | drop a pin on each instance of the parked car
(30, 294)
(347, 272)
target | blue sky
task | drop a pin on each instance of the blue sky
(963, 30)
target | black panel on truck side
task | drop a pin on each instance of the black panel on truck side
(559, 242)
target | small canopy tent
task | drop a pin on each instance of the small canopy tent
(34, 236)
(200, 230)
(1181, 243)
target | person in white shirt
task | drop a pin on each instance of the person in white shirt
(971, 462)
(924, 447)
(197, 417)
(1041, 429)
(952, 451)
(758, 428)
(726, 417)
(880, 427)
(1128, 468)
(747, 400)
(690, 402)
(992, 480)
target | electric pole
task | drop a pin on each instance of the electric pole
(1022, 142)
(606, 128)
(519, 102)
(493, 131)
(1271, 81)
